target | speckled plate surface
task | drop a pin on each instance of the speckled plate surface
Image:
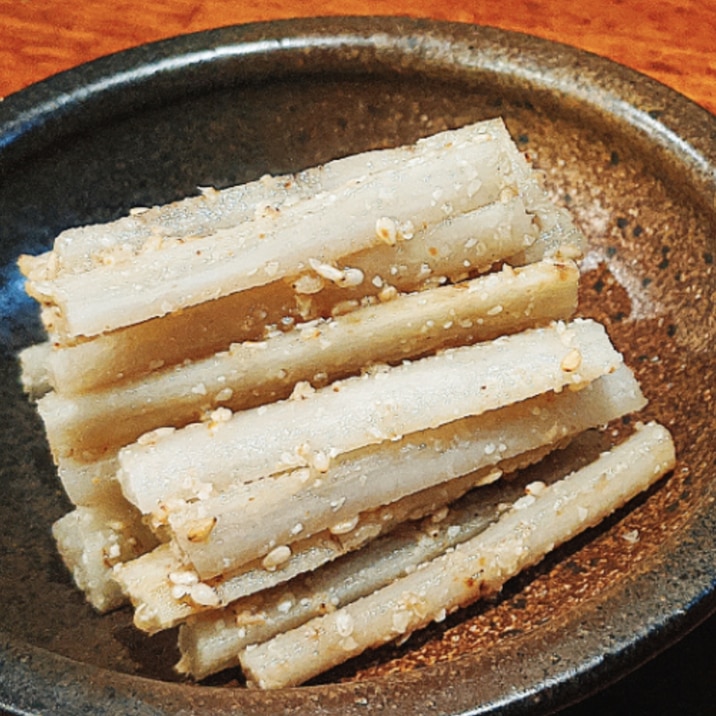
(633, 161)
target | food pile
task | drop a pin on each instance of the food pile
(291, 414)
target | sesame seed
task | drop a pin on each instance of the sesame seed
(344, 624)
(199, 530)
(571, 361)
(276, 557)
(345, 527)
(204, 595)
(386, 230)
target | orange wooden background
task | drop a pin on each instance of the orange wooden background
(673, 41)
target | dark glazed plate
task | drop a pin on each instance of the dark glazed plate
(633, 161)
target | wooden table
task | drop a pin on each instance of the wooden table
(673, 41)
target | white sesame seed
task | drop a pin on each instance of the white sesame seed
(223, 395)
(535, 488)
(632, 536)
(401, 621)
(345, 527)
(571, 361)
(386, 230)
(185, 576)
(204, 595)
(344, 624)
(439, 515)
(276, 557)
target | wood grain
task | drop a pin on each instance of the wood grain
(673, 41)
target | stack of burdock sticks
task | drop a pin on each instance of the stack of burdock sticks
(277, 407)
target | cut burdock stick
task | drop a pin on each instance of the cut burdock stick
(220, 533)
(520, 538)
(81, 249)
(213, 641)
(92, 540)
(165, 590)
(147, 582)
(34, 375)
(90, 483)
(312, 427)
(558, 235)
(467, 245)
(249, 374)
(445, 175)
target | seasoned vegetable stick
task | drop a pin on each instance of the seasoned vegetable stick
(480, 566)
(90, 483)
(84, 248)
(320, 352)
(444, 176)
(34, 375)
(314, 426)
(92, 540)
(166, 590)
(212, 641)
(146, 578)
(220, 533)
(468, 244)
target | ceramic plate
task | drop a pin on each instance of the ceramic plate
(633, 161)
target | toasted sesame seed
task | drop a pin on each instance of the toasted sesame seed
(386, 230)
(571, 361)
(320, 461)
(223, 395)
(204, 595)
(276, 557)
(184, 576)
(199, 530)
(345, 527)
(401, 621)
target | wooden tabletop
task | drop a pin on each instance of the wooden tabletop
(673, 41)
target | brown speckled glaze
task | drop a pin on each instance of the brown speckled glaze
(634, 162)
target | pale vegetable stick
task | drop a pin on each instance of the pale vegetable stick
(146, 579)
(195, 333)
(87, 478)
(92, 540)
(212, 641)
(250, 374)
(520, 538)
(349, 414)
(443, 177)
(221, 533)
(81, 249)
(34, 375)
(90, 483)
(559, 237)
(166, 590)
(472, 243)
